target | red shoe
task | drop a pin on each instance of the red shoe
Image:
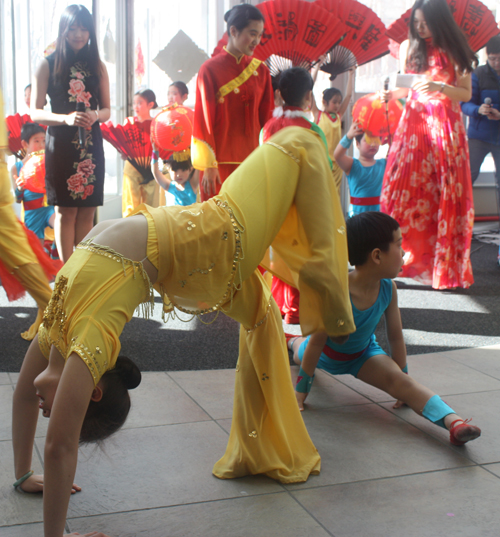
(463, 432)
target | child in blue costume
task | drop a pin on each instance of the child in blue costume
(37, 214)
(365, 175)
(374, 244)
(183, 182)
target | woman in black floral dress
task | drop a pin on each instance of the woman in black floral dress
(73, 74)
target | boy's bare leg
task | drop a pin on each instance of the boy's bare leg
(383, 373)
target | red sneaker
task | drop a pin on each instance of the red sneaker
(463, 432)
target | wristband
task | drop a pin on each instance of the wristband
(346, 142)
(442, 87)
(21, 480)
(405, 369)
(304, 382)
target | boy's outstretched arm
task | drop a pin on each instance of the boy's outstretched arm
(395, 330)
(310, 361)
(395, 337)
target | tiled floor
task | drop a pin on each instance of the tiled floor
(385, 472)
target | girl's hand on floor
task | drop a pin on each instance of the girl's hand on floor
(398, 404)
(35, 484)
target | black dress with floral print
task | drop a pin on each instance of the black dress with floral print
(74, 173)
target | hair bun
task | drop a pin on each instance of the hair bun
(128, 371)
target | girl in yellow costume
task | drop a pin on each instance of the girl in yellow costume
(137, 189)
(201, 258)
(330, 119)
(19, 264)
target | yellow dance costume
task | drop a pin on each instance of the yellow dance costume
(134, 192)
(15, 252)
(333, 133)
(207, 257)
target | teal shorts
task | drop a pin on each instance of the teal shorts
(347, 367)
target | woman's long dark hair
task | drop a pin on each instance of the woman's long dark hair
(446, 35)
(80, 15)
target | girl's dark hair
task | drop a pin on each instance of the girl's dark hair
(80, 15)
(446, 35)
(367, 231)
(240, 16)
(294, 83)
(330, 93)
(175, 165)
(28, 130)
(493, 45)
(180, 86)
(359, 137)
(148, 95)
(105, 417)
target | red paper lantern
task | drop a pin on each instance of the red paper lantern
(172, 128)
(375, 119)
(32, 176)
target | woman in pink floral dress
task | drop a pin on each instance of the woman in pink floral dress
(427, 184)
(74, 178)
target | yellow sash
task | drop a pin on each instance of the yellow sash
(240, 79)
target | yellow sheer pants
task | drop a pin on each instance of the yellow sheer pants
(134, 193)
(292, 203)
(268, 435)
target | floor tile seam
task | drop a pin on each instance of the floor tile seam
(152, 426)
(171, 506)
(470, 366)
(483, 466)
(189, 395)
(382, 478)
(296, 500)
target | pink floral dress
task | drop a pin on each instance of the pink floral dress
(74, 173)
(427, 184)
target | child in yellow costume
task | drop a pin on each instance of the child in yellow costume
(19, 264)
(200, 258)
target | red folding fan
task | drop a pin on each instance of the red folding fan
(296, 33)
(474, 18)
(365, 36)
(133, 141)
(14, 125)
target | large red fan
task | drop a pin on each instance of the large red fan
(365, 36)
(14, 125)
(296, 33)
(133, 141)
(474, 18)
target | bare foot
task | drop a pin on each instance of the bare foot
(301, 397)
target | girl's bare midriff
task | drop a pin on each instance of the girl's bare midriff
(128, 237)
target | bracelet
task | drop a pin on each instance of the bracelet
(346, 142)
(304, 382)
(21, 480)
(96, 115)
(442, 87)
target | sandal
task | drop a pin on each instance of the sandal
(463, 432)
